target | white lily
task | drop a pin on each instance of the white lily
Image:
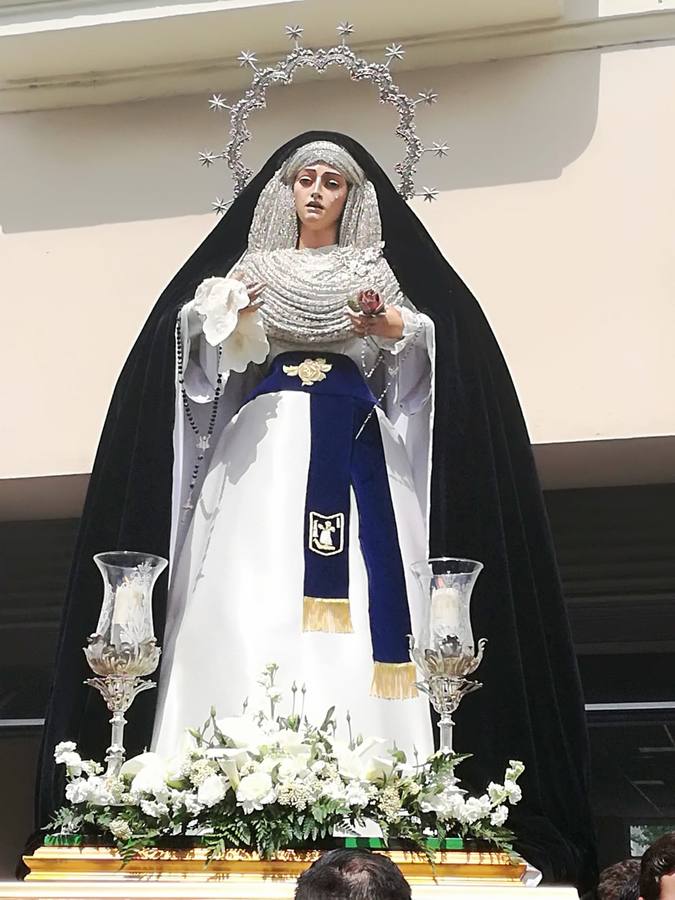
(243, 732)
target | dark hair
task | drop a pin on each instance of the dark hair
(352, 875)
(614, 879)
(658, 860)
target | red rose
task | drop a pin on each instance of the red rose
(370, 302)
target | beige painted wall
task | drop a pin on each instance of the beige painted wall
(556, 206)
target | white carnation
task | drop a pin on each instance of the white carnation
(356, 794)
(185, 800)
(120, 829)
(94, 790)
(154, 808)
(62, 748)
(496, 793)
(212, 790)
(499, 815)
(513, 791)
(77, 791)
(447, 804)
(476, 808)
(255, 790)
(72, 762)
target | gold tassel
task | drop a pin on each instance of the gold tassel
(394, 681)
(327, 614)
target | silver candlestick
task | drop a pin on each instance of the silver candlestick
(444, 650)
(123, 650)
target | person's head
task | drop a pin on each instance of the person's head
(319, 195)
(352, 875)
(657, 869)
(619, 880)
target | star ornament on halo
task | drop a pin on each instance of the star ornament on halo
(438, 149)
(294, 32)
(428, 194)
(217, 101)
(221, 206)
(206, 158)
(266, 75)
(247, 58)
(344, 29)
(394, 51)
(427, 97)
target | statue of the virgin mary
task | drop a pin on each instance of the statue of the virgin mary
(316, 402)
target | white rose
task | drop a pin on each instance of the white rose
(218, 301)
(212, 790)
(499, 815)
(255, 790)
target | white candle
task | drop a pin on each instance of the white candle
(445, 609)
(127, 610)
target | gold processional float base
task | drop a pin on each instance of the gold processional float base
(99, 872)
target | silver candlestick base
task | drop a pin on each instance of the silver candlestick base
(120, 670)
(445, 681)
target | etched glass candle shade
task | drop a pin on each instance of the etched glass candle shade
(124, 641)
(443, 647)
(445, 640)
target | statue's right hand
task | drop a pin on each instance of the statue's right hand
(254, 289)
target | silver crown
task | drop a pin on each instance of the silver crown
(255, 97)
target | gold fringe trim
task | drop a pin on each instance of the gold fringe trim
(327, 614)
(394, 681)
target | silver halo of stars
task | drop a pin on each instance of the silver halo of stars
(359, 69)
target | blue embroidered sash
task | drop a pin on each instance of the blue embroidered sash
(345, 453)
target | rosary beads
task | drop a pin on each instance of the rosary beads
(203, 441)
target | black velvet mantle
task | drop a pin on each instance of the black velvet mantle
(486, 505)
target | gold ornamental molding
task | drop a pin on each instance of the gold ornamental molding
(105, 864)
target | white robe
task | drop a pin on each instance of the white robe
(236, 586)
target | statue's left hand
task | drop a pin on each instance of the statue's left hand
(388, 324)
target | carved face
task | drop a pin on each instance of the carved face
(320, 192)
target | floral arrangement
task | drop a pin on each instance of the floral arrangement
(269, 782)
